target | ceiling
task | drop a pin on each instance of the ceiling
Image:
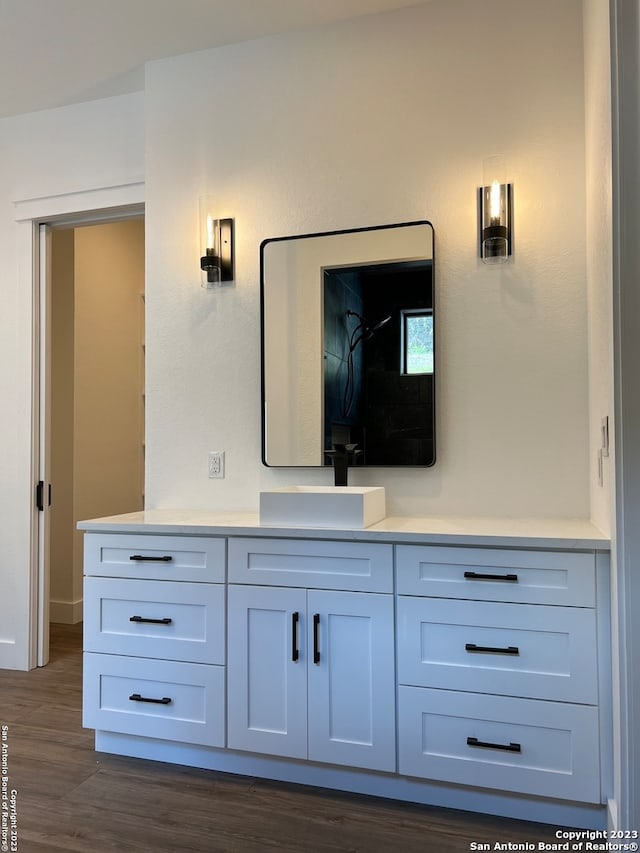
(58, 52)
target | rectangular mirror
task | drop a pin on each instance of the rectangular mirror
(348, 329)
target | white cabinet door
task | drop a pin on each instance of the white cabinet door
(497, 574)
(155, 557)
(527, 650)
(267, 674)
(529, 746)
(351, 691)
(311, 675)
(168, 700)
(357, 566)
(155, 619)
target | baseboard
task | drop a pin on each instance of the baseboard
(390, 786)
(65, 612)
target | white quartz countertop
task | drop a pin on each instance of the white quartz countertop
(575, 534)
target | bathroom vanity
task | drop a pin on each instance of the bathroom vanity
(460, 663)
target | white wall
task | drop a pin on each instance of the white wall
(109, 381)
(599, 257)
(62, 570)
(599, 252)
(380, 120)
(45, 154)
(97, 433)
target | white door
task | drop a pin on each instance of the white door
(42, 467)
(267, 670)
(72, 337)
(351, 681)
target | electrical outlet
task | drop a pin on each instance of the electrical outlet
(216, 464)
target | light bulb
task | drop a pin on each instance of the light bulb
(494, 203)
(495, 214)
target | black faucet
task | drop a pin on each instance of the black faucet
(342, 456)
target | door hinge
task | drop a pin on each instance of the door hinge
(40, 496)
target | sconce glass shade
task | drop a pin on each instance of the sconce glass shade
(495, 213)
(216, 246)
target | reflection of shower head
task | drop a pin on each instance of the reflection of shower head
(366, 328)
(380, 324)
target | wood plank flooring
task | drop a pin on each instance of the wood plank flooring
(71, 798)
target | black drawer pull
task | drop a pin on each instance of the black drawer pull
(494, 650)
(143, 619)
(295, 654)
(507, 747)
(479, 576)
(141, 558)
(316, 638)
(136, 697)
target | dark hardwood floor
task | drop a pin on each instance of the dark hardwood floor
(71, 798)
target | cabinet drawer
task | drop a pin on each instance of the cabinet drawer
(357, 566)
(118, 555)
(158, 699)
(537, 651)
(533, 577)
(158, 619)
(520, 745)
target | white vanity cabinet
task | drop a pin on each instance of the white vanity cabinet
(311, 671)
(499, 687)
(465, 669)
(154, 639)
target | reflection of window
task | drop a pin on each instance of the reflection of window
(417, 341)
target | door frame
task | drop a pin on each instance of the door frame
(42, 443)
(91, 206)
(625, 122)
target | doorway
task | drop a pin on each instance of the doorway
(96, 401)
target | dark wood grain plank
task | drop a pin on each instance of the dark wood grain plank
(74, 799)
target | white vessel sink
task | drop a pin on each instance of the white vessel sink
(337, 507)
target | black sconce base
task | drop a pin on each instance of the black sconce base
(220, 268)
(495, 238)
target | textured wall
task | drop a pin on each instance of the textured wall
(599, 252)
(44, 155)
(381, 120)
(384, 119)
(97, 383)
(109, 374)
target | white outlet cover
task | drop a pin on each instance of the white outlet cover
(216, 464)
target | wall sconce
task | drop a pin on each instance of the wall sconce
(216, 246)
(495, 213)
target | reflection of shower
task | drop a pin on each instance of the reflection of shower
(364, 327)
(363, 331)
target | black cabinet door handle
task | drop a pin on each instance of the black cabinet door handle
(480, 576)
(295, 654)
(144, 620)
(495, 650)
(507, 747)
(136, 697)
(316, 638)
(140, 558)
